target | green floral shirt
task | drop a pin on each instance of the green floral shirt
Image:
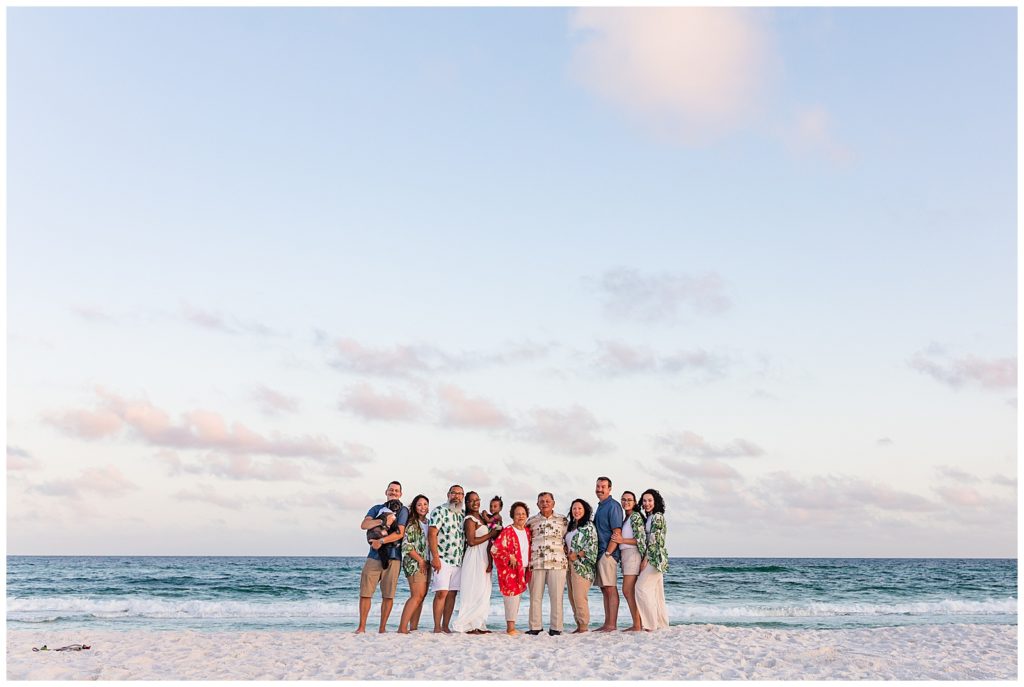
(657, 552)
(415, 540)
(584, 541)
(451, 538)
(547, 549)
(636, 521)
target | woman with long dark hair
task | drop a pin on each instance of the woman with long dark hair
(415, 563)
(475, 584)
(581, 549)
(650, 587)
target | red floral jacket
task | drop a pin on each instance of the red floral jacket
(512, 579)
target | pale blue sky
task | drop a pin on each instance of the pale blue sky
(206, 202)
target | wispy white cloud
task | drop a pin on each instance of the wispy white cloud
(1004, 481)
(273, 402)
(689, 443)
(884, 441)
(107, 482)
(364, 401)
(573, 430)
(91, 313)
(196, 429)
(956, 474)
(227, 324)
(960, 495)
(689, 74)
(405, 360)
(619, 358)
(235, 467)
(631, 295)
(460, 410)
(20, 459)
(994, 374)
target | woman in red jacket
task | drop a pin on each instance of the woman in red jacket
(511, 553)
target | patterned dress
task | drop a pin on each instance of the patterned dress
(512, 579)
(451, 539)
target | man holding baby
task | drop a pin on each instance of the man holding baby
(382, 571)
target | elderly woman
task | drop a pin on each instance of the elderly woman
(581, 548)
(631, 543)
(415, 564)
(650, 588)
(511, 553)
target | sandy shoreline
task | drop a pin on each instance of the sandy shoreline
(943, 652)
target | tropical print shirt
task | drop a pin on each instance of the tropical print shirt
(451, 539)
(584, 541)
(415, 540)
(547, 550)
(636, 521)
(657, 552)
(512, 564)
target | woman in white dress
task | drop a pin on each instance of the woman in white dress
(650, 587)
(475, 587)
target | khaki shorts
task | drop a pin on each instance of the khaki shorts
(418, 577)
(374, 574)
(630, 561)
(607, 571)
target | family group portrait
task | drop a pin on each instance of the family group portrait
(511, 342)
(455, 547)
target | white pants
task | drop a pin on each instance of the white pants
(511, 607)
(650, 599)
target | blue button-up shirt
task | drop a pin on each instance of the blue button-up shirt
(607, 518)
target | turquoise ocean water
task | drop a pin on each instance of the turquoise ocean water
(321, 593)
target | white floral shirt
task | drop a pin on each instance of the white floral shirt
(547, 550)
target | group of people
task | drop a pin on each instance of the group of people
(453, 549)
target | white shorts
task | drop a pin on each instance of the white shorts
(446, 579)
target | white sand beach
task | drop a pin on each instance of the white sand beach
(935, 652)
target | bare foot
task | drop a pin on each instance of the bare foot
(360, 630)
(578, 631)
(632, 629)
(446, 631)
(511, 633)
(402, 632)
(606, 629)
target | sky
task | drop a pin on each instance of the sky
(260, 262)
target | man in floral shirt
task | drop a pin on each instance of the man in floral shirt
(548, 564)
(447, 541)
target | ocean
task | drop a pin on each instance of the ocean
(321, 593)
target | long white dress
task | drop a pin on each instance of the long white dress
(475, 587)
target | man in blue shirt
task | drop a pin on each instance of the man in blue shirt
(374, 572)
(608, 521)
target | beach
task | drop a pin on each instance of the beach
(684, 652)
